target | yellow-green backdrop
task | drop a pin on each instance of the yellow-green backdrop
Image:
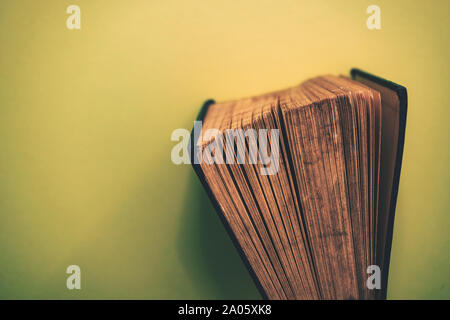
(86, 117)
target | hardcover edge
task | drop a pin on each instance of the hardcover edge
(403, 100)
(201, 115)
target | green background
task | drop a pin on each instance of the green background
(86, 117)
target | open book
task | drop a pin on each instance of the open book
(305, 181)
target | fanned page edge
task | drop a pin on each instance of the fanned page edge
(200, 117)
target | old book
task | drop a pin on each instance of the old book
(305, 181)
